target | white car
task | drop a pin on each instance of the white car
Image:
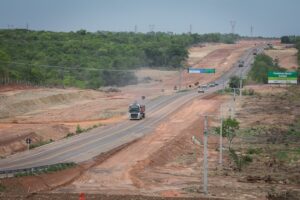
(202, 88)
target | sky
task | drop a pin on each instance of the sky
(270, 18)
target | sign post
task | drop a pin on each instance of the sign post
(28, 142)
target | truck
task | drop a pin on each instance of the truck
(241, 63)
(136, 111)
(254, 52)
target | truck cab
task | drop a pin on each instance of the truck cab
(241, 63)
(136, 111)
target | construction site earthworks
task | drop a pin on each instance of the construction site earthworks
(167, 162)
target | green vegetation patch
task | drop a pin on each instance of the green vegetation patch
(40, 143)
(239, 160)
(252, 151)
(287, 155)
(294, 129)
(80, 130)
(2, 188)
(48, 169)
(261, 66)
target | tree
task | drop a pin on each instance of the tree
(229, 129)
(285, 40)
(234, 82)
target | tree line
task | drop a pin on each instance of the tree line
(90, 60)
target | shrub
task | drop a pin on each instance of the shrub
(2, 188)
(78, 129)
(239, 160)
(69, 135)
(49, 169)
(254, 151)
(249, 92)
(40, 143)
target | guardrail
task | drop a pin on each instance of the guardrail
(34, 170)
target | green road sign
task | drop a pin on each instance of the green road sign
(201, 71)
(283, 77)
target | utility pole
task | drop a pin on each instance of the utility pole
(234, 93)
(205, 165)
(232, 109)
(151, 27)
(135, 28)
(251, 30)
(241, 83)
(191, 27)
(221, 137)
(179, 78)
(232, 23)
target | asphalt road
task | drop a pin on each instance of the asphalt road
(90, 144)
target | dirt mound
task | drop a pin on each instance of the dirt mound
(287, 57)
(9, 145)
(16, 103)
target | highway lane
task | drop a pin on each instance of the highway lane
(87, 145)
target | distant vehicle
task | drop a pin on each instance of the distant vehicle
(241, 63)
(202, 88)
(212, 84)
(270, 45)
(137, 111)
(255, 52)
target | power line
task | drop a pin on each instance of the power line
(135, 28)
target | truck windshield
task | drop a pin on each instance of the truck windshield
(134, 109)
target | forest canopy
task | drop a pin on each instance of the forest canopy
(90, 60)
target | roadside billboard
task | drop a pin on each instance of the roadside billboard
(283, 77)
